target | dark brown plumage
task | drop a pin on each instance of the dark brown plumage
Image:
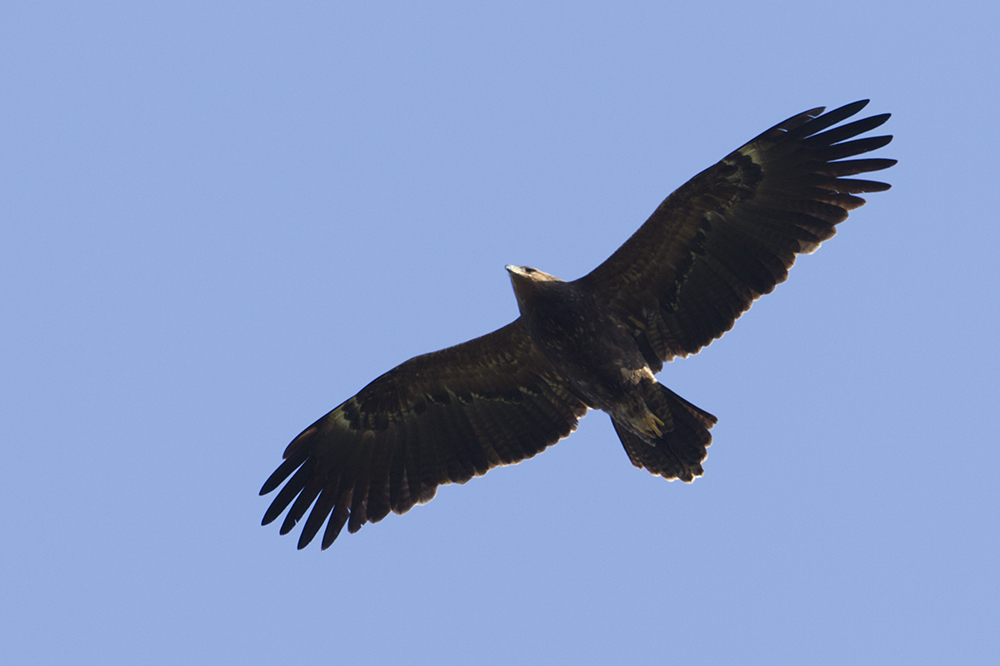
(715, 245)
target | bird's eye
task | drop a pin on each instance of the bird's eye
(529, 270)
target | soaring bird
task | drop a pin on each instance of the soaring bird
(712, 248)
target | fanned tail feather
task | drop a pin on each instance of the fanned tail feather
(679, 451)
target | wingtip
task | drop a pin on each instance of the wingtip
(273, 481)
(881, 163)
(879, 120)
(273, 511)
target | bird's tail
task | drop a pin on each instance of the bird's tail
(678, 451)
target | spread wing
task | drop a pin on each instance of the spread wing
(731, 233)
(439, 418)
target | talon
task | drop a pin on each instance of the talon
(653, 424)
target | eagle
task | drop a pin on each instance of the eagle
(713, 247)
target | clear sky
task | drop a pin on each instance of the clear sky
(219, 220)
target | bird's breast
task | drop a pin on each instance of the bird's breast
(587, 345)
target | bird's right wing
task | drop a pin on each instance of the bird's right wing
(439, 418)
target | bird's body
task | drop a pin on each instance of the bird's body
(588, 345)
(715, 245)
(594, 350)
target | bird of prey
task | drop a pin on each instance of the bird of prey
(712, 248)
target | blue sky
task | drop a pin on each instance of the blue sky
(219, 220)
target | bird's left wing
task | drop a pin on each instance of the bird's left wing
(439, 418)
(731, 233)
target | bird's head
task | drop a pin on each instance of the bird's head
(528, 282)
(528, 274)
